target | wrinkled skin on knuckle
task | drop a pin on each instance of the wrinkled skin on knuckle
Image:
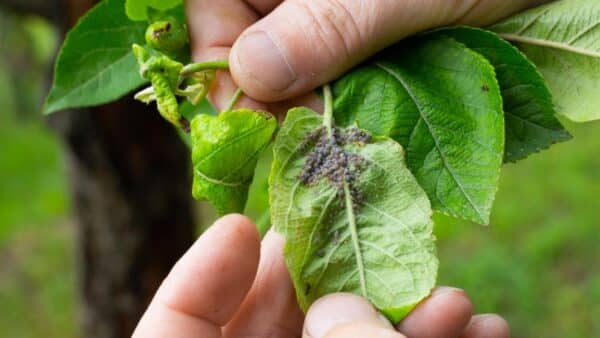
(330, 28)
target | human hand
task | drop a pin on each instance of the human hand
(229, 284)
(280, 50)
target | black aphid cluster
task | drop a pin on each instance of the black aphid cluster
(329, 160)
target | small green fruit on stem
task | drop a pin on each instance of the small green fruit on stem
(167, 35)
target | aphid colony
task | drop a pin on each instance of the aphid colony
(328, 159)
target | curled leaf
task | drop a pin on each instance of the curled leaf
(198, 86)
(225, 150)
(166, 102)
(163, 73)
(154, 62)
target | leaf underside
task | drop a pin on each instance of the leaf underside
(561, 38)
(442, 103)
(530, 122)
(225, 149)
(137, 9)
(95, 64)
(379, 246)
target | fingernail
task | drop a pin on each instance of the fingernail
(490, 322)
(262, 58)
(445, 289)
(336, 309)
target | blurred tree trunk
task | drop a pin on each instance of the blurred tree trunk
(130, 184)
(130, 191)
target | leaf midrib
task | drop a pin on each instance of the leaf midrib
(355, 241)
(433, 136)
(231, 142)
(533, 124)
(550, 44)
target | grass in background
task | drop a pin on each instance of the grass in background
(537, 262)
(36, 258)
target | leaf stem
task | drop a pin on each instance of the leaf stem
(328, 111)
(355, 241)
(200, 66)
(234, 99)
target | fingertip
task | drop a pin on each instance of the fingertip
(224, 260)
(270, 308)
(235, 231)
(363, 330)
(240, 226)
(487, 326)
(337, 309)
(445, 313)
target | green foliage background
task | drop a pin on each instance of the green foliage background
(536, 264)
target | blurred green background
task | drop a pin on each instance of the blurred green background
(537, 263)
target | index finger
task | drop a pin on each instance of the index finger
(444, 314)
(207, 285)
(213, 27)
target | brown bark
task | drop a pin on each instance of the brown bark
(130, 191)
(130, 182)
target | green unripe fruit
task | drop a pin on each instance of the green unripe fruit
(166, 35)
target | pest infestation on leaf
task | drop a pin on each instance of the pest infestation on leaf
(330, 161)
(423, 126)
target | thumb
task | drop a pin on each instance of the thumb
(303, 44)
(344, 316)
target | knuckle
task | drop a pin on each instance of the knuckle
(331, 25)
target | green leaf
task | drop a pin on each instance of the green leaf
(429, 96)
(561, 38)
(137, 10)
(530, 121)
(95, 64)
(370, 234)
(225, 149)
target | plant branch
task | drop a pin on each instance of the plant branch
(201, 66)
(234, 99)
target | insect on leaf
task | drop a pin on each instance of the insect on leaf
(561, 38)
(354, 217)
(225, 150)
(427, 95)
(530, 121)
(95, 64)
